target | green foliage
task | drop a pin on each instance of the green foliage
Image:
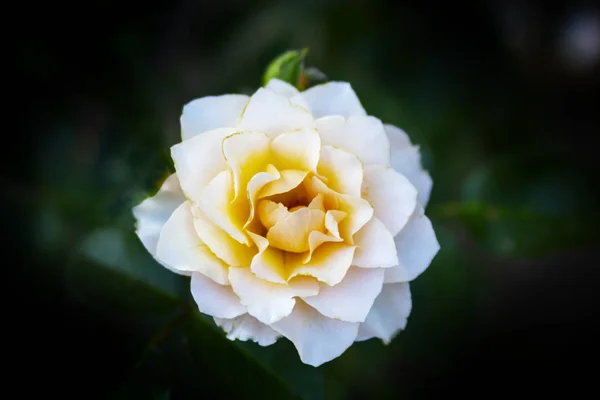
(288, 67)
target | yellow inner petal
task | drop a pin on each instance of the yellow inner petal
(291, 233)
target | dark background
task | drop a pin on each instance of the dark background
(502, 97)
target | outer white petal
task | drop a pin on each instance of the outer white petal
(389, 314)
(364, 137)
(375, 246)
(198, 160)
(152, 213)
(211, 112)
(417, 245)
(267, 301)
(214, 299)
(333, 98)
(352, 298)
(180, 249)
(247, 327)
(406, 159)
(317, 338)
(274, 114)
(392, 196)
(282, 88)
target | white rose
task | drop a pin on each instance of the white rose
(296, 215)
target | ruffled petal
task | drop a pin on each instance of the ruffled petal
(246, 327)
(406, 159)
(329, 263)
(416, 245)
(364, 137)
(375, 246)
(267, 301)
(274, 114)
(332, 98)
(211, 112)
(317, 339)
(180, 248)
(389, 313)
(214, 299)
(297, 150)
(343, 170)
(392, 196)
(352, 298)
(152, 213)
(198, 160)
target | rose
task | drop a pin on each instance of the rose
(296, 215)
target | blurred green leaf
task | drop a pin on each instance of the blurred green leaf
(289, 67)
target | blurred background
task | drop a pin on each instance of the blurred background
(502, 97)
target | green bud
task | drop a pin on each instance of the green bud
(289, 67)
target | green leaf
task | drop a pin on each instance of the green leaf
(289, 67)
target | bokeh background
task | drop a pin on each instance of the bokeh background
(502, 97)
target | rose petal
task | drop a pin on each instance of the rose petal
(291, 233)
(211, 112)
(281, 88)
(329, 263)
(247, 327)
(297, 150)
(247, 153)
(343, 170)
(267, 301)
(152, 213)
(352, 298)
(392, 196)
(198, 160)
(363, 136)
(232, 252)
(214, 299)
(417, 245)
(180, 249)
(406, 159)
(317, 338)
(256, 184)
(216, 203)
(288, 180)
(389, 313)
(332, 98)
(269, 263)
(274, 114)
(375, 246)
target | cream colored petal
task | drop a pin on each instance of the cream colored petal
(211, 112)
(297, 150)
(406, 159)
(362, 136)
(215, 203)
(329, 263)
(317, 202)
(393, 197)
(198, 160)
(352, 298)
(246, 327)
(267, 301)
(389, 313)
(333, 98)
(315, 239)
(289, 179)
(152, 213)
(269, 263)
(416, 245)
(232, 252)
(343, 170)
(247, 153)
(317, 339)
(358, 211)
(375, 246)
(180, 248)
(214, 299)
(274, 114)
(332, 220)
(270, 212)
(291, 233)
(256, 184)
(281, 88)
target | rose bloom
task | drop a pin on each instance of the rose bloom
(295, 214)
